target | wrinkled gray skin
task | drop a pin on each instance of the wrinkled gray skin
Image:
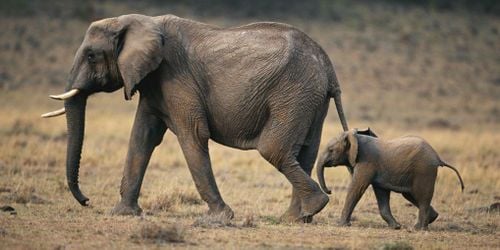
(406, 165)
(264, 86)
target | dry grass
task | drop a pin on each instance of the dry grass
(153, 233)
(428, 74)
(32, 165)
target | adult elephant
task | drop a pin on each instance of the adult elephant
(263, 86)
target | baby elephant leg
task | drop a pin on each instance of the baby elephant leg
(423, 216)
(361, 179)
(383, 197)
(423, 196)
(433, 215)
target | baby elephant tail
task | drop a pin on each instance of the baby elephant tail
(456, 171)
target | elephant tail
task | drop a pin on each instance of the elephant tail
(334, 92)
(444, 164)
(340, 110)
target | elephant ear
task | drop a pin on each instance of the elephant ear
(367, 132)
(353, 147)
(139, 49)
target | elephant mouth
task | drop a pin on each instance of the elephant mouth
(328, 164)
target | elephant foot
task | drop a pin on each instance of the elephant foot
(307, 219)
(294, 216)
(395, 226)
(122, 209)
(222, 211)
(313, 204)
(433, 216)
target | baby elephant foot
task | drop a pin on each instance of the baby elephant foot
(343, 223)
(122, 209)
(307, 219)
(420, 227)
(433, 216)
(313, 204)
(223, 211)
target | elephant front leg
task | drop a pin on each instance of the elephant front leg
(361, 179)
(198, 160)
(383, 197)
(147, 133)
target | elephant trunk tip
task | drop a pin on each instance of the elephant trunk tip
(81, 198)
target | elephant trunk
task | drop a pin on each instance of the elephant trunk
(320, 171)
(75, 117)
(340, 111)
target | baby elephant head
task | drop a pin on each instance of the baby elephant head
(342, 150)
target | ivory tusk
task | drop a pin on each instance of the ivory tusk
(54, 113)
(66, 95)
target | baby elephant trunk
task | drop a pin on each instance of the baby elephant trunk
(320, 171)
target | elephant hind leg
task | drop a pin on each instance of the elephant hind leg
(306, 191)
(433, 215)
(306, 158)
(289, 141)
(423, 191)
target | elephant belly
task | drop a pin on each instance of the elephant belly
(238, 128)
(398, 185)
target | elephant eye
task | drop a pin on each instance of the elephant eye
(91, 57)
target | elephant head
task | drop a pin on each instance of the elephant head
(115, 52)
(342, 150)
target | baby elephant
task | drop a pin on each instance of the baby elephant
(406, 165)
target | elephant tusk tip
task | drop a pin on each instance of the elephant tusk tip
(54, 113)
(55, 97)
(65, 95)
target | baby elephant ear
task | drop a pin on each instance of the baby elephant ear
(353, 147)
(139, 47)
(367, 132)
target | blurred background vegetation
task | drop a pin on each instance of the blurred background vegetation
(335, 10)
(409, 63)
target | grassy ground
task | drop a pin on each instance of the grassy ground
(32, 180)
(402, 72)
